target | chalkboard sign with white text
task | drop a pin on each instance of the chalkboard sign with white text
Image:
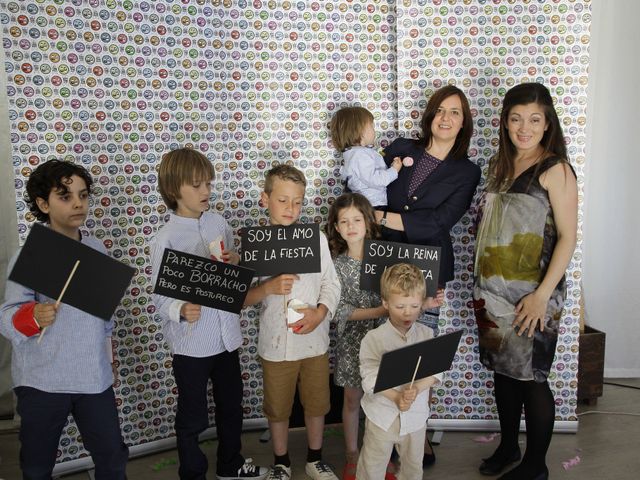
(278, 249)
(378, 255)
(202, 281)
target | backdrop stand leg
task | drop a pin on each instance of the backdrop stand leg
(436, 438)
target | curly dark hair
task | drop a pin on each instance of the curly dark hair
(49, 177)
(337, 244)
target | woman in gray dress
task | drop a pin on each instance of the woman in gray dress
(526, 237)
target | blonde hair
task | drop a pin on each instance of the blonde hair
(179, 167)
(347, 126)
(403, 279)
(286, 173)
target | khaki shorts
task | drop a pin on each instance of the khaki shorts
(311, 375)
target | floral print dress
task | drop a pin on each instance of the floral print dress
(351, 332)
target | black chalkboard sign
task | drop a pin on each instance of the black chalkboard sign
(436, 355)
(202, 281)
(46, 260)
(378, 255)
(278, 249)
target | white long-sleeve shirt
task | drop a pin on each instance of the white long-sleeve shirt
(366, 173)
(216, 330)
(276, 342)
(379, 409)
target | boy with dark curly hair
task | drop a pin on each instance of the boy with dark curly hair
(70, 371)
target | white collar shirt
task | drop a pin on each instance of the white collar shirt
(379, 409)
(276, 342)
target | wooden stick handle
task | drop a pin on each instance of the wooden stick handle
(415, 372)
(64, 289)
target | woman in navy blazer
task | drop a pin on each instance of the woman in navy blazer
(421, 210)
(430, 196)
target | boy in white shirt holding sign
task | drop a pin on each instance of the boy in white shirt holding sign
(396, 416)
(294, 352)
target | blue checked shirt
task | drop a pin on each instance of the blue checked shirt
(74, 355)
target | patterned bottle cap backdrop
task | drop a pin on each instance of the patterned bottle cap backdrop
(115, 84)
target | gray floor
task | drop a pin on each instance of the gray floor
(608, 444)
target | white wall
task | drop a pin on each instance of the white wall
(611, 261)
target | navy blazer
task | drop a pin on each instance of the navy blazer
(436, 205)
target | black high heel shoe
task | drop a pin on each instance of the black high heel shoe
(429, 459)
(494, 464)
(518, 474)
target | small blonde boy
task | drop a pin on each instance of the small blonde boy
(397, 415)
(204, 341)
(364, 169)
(296, 355)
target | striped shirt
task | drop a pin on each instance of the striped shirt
(73, 356)
(216, 330)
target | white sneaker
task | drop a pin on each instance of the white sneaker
(247, 471)
(279, 472)
(319, 471)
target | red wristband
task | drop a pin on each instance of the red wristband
(24, 321)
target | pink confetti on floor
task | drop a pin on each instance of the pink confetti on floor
(486, 438)
(572, 462)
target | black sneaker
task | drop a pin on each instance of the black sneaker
(249, 471)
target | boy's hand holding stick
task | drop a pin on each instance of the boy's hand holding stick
(409, 394)
(64, 289)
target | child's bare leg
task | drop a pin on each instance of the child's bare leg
(315, 430)
(351, 418)
(280, 436)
